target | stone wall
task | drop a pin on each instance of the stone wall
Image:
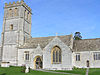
(84, 56)
(14, 37)
(21, 60)
(0, 55)
(66, 63)
(32, 54)
(10, 54)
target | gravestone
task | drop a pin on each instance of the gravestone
(5, 64)
(27, 69)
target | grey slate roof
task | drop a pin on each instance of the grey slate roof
(78, 45)
(43, 41)
(87, 45)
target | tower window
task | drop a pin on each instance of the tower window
(27, 15)
(11, 27)
(16, 12)
(10, 12)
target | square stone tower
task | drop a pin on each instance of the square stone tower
(16, 29)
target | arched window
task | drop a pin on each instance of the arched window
(11, 27)
(10, 13)
(29, 17)
(53, 56)
(25, 14)
(16, 12)
(56, 55)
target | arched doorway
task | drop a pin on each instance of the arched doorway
(87, 63)
(38, 62)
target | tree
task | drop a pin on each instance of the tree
(77, 36)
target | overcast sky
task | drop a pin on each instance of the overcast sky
(63, 17)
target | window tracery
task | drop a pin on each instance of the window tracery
(16, 12)
(56, 55)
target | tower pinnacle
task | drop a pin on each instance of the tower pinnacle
(22, 0)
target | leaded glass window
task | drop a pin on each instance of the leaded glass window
(96, 56)
(56, 55)
(77, 57)
(26, 55)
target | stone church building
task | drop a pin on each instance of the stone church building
(18, 48)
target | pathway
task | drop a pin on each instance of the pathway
(57, 72)
(87, 71)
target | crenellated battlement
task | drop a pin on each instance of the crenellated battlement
(14, 3)
(18, 3)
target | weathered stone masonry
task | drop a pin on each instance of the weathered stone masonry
(18, 48)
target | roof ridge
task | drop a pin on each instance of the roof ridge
(50, 36)
(88, 39)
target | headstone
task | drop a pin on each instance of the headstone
(27, 69)
(5, 64)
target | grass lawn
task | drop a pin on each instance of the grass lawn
(75, 71)
(92, 71)
(17, 71)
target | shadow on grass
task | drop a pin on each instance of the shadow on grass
(3, 74)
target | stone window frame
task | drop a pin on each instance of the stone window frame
(29, 17)
(56, 55)
(96, 55)
(26, 56)
(16, 11)
(11, 27)
(26, 14)
(78, 57)
(10, 12)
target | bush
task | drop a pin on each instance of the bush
(23, 69)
